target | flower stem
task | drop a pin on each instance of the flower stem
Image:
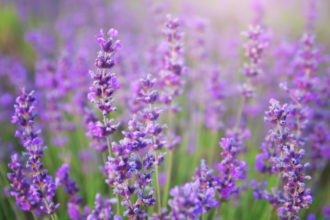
(273, 215)
(168, 178)
(118, 207)
(157, 186)
(169, 165)
(110, 154)
(213, 147)
(107, 138)
(239, 113)
(34, 216)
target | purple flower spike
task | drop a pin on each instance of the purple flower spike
(20, 186)
(283, 155)
(102, 209)
(102, 90)
(63, 178)
(195, 198)
(173, 66)
(190, 201)
(254, 47)
(230, 168)
(36, 192)
(130, 170)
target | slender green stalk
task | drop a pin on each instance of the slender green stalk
(52, 216)
(157, 187)
(11, 203)
(169, 166)
(34, 217)
(213, 147)
(104, 119)
(110, 154)
(108, 141)
(273, 214)
(168, 178)
(240, 112)
(216, 213)
(117, 205)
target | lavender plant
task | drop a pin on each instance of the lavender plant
(145, 159)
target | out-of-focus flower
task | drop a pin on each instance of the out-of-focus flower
(254, 48)
(102, 209)
(190, 201)
(173, 67)
(230, 168)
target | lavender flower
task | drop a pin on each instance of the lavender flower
(277, 116)
(55, 83)
(196, 198)
(21, 189)
(74, 203)
(254, 48)
(102, 89)
(230, 168)
(137, 154)
(41, 186)
(285, 155)
(13, 75)
(171, 83)
(309, 101)
(326, 212)
(63, 178)
(215, 107)
(207, 184)
(188, 201)
(173, 68)
(102, 209)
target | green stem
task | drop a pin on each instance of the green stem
(157, 187)
(213, 147)
(107, 138)
(118, 207)
(273, 215)
(239, 113)
(169, 165)
(11, 203)
(34, 217)
(168, 178)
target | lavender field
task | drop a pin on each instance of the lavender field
(174, 109)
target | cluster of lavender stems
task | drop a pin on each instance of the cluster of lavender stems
(295, 149)
(138, 154)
